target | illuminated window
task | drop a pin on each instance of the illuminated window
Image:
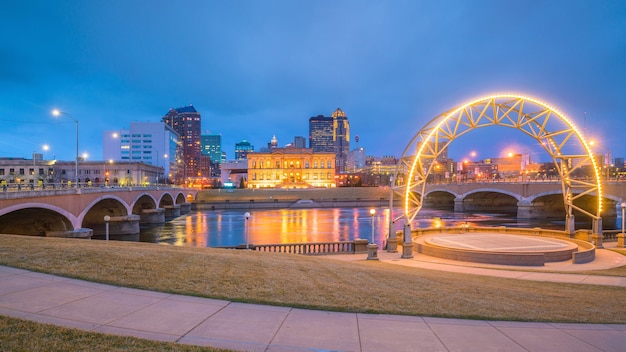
(315, 164)
(306, 164)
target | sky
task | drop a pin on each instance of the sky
(255, 69)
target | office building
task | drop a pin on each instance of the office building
(187, 122)
(321, 134)
(242, 149)
(341, 138)
(331, 134)
(299, 142)
(212, 147)
(152, 143)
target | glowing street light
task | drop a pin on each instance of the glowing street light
(620, 237)
(247, 217)
(372, 248)
(57, 112)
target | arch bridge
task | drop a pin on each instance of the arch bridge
(67, 211)
(527, 199)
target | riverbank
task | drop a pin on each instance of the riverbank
(292, 198)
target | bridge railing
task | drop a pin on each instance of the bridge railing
(11, 191)
(312, 248)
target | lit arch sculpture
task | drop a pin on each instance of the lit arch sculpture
(550, 128)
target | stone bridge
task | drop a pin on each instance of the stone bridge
(72, 212)
(528, 199)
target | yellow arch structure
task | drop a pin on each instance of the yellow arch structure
(556, 133)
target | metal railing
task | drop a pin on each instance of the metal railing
(316, 248)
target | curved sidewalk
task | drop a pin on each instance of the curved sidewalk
(209, 322)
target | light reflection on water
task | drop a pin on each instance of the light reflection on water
(217, 228)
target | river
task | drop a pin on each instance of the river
(218, 228)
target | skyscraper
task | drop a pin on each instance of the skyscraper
(242, 149)
(212, 146)
(321, 134)
(331, 135)
(341, 138)
(187, 122)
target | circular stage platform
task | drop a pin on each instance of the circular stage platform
(496, 248)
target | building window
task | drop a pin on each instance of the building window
(315, 164)
(328, 165)
(1, 171)
(21, 171)
(306, 164)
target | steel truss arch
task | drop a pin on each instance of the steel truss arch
(551, 129)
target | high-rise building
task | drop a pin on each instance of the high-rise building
(341, 138)
(242, 149)
(321, 134)
(187, 122)
(331, 134)
(299, 142)
(212, 147)
(153, 143)
(356, 160)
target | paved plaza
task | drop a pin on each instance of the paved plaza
(250, 327)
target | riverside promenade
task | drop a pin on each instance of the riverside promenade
(250, 327)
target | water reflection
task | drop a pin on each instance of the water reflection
(217, 228)
(226, 227)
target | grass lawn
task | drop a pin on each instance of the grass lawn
(313, 282)
(22, 335)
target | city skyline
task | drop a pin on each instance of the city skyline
(257, 70)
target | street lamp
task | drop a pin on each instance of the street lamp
(372, 248)
(106, 226)
(247, 217)
(57, 113)
(620, 237)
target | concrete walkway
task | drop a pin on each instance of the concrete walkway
(249, 327)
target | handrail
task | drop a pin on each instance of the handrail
(310, 248)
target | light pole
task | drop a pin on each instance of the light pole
(392, 240)
(372, 248)
(620, 237)
(106, 226)
(247, 217)
(57, 112)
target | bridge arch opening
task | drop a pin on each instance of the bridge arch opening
(439, 200)
(551, 129)
(94, 217)
(489, 201)
(145, 201)
(166, 200)
(33, 222)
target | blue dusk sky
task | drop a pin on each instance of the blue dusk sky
(255, 69)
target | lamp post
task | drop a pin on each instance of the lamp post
(106, 226)
(392, 240)
(247, 217)
(620, 237)
(57, 112)
(372, 248)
